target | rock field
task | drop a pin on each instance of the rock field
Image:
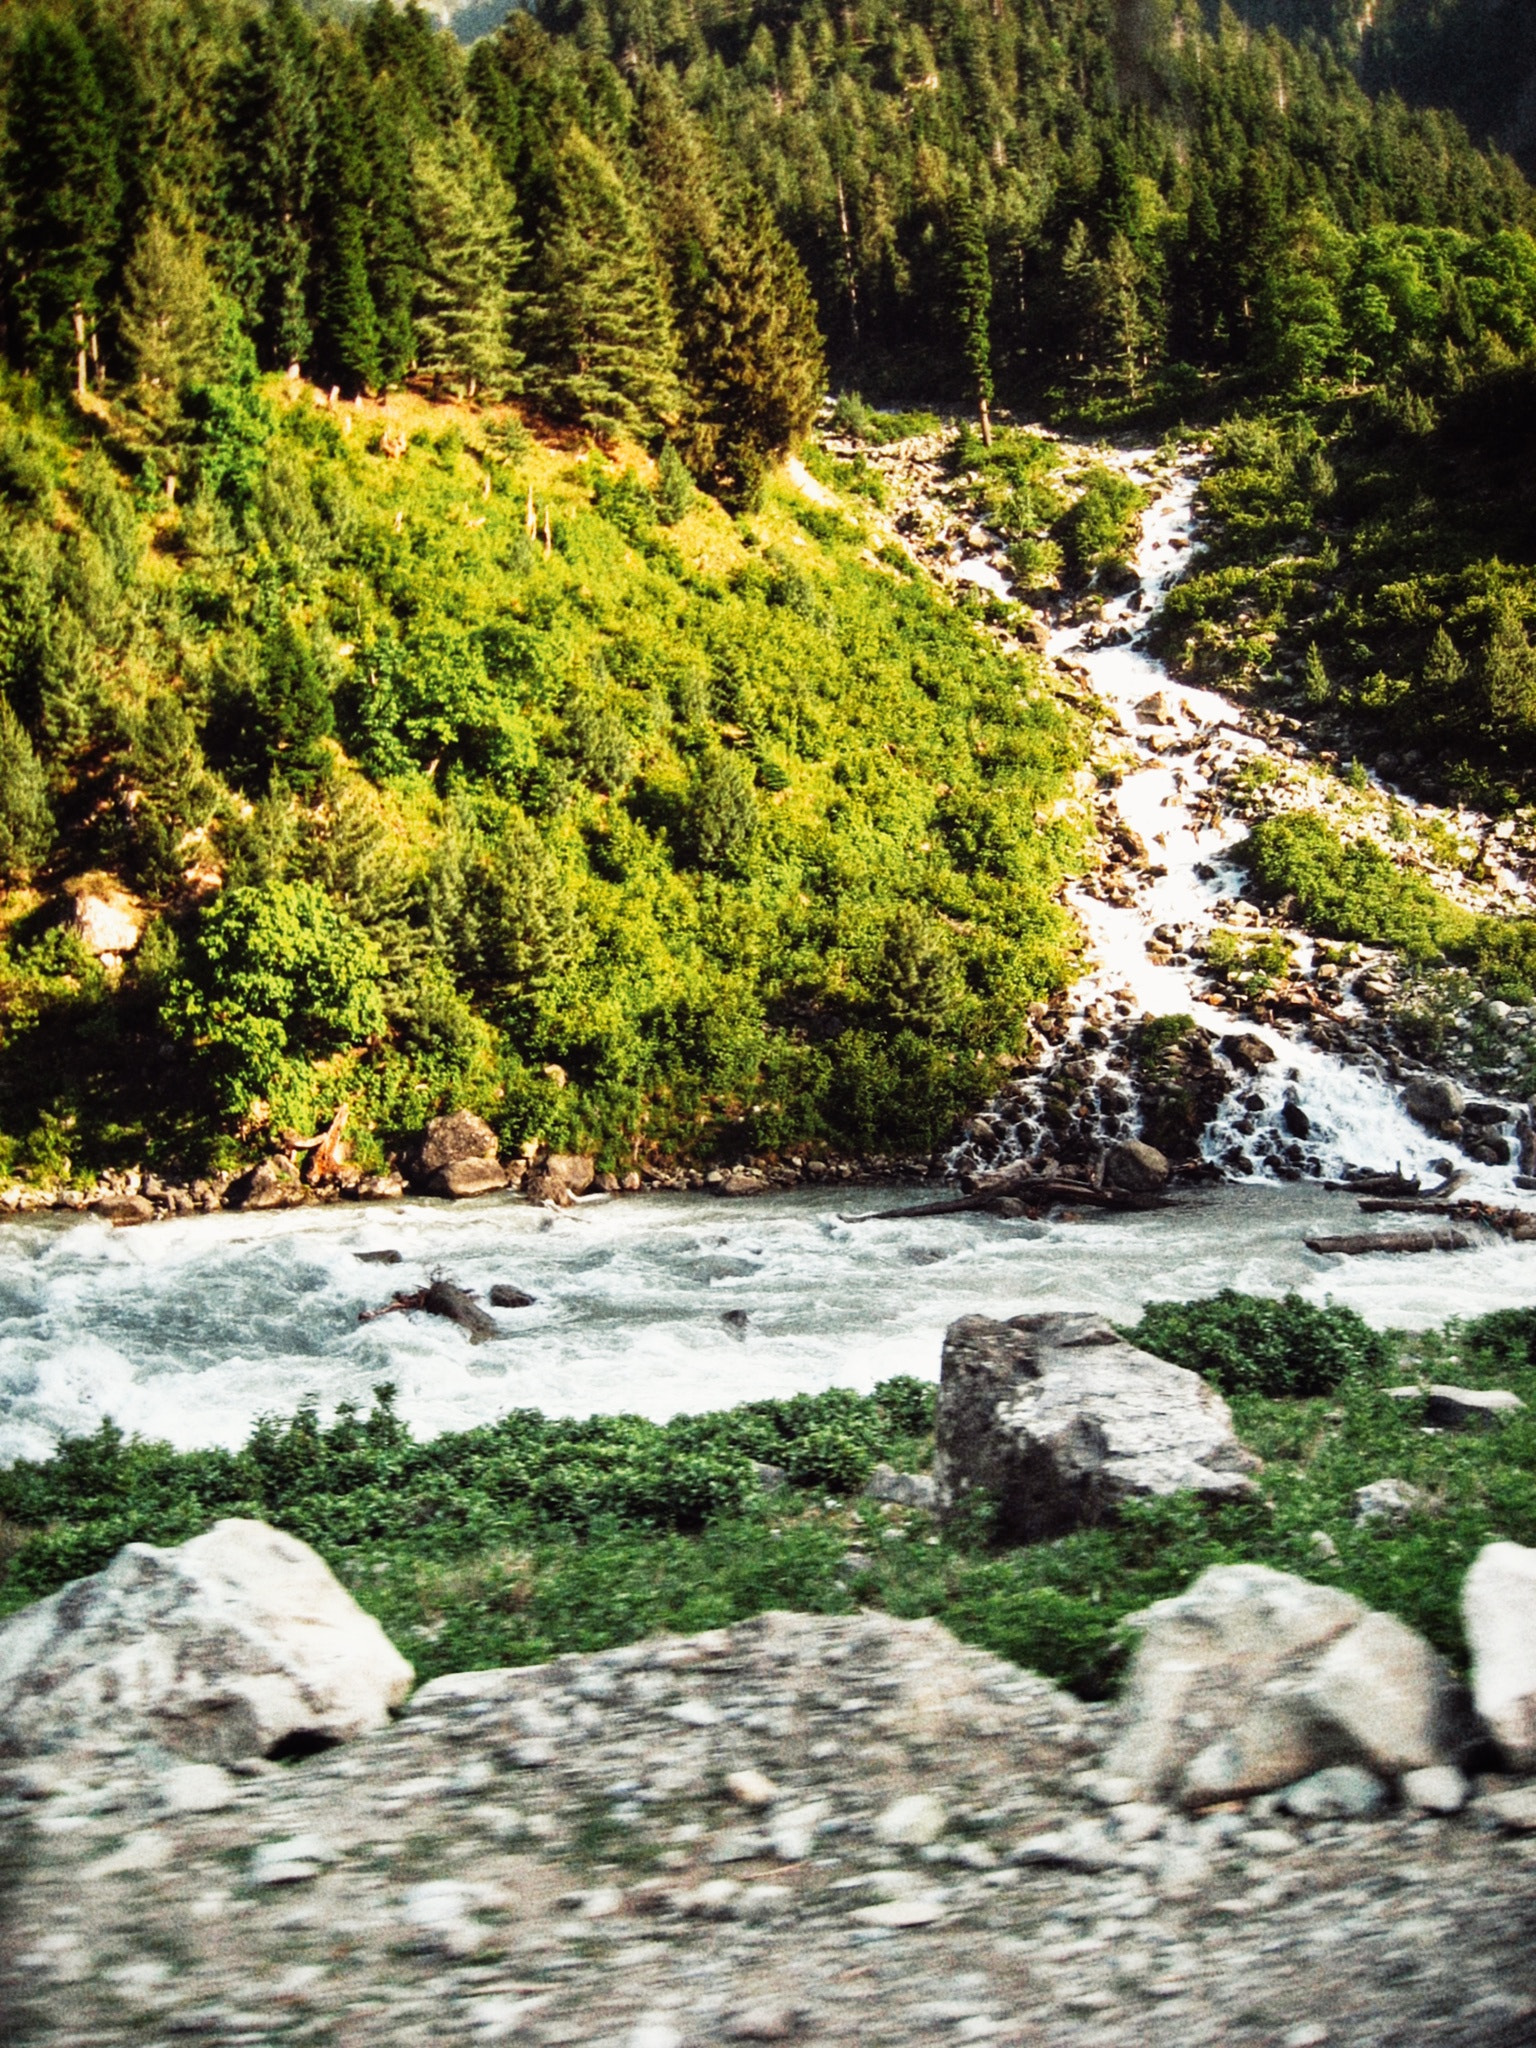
(802, 1829)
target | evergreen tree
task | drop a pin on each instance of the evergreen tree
(347, 343)
(268, 134)
(176, 794)
(722, 813)
(469, 249)
(1509, 674)
(63, 187)
(1315, 682)
(171, 322)
(674, 487)
(972, 288)
(26, 820)
(604, 352)
(756, 369)
(272, 724)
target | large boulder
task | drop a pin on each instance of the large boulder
(449, 1139)
(236, 1644)
(1058, 1420)
(1252, 1679)
(462, 1178)
(1433, 1100)
(559, 1178)
(1498, 1607)
(1136, 1168)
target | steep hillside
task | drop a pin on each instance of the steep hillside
(447, 766)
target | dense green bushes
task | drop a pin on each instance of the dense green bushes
(754, 842)
(511, 1543)
(1245, 1344)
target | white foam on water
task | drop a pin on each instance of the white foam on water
(191, 1330)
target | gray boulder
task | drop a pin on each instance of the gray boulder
(1253, 1679)
(1137, 1168)
(1433, 1100)
(902, 1489)
(1059, 1421)
(274, 1184)
(447, 1140)
(233, 1645)
(1247, 1051)
(1498, 1607)
(463, 1178)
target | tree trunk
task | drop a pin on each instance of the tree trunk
(986, 421)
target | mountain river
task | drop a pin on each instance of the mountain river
(191, 1329)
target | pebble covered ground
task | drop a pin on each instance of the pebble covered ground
(797, 1829)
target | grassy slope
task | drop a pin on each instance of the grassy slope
(847, 973)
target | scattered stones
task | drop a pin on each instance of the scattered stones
(1059, 1420)
(292, 1862)
(272, 1184)
(1469, 1407)
(1498, 1608)
(504, 1295)
(1514, 1810)
(197, 1788)
(903, 1489)
(1440, 1788)
(123, 1211)
(1434, 1100)
(1138, 1168)
(912, 1821)
(1341, 1792)
(384, 1258)
(461, 1179)
(1247, 1051)
(451, 1140)
(1389, 1500)
(751, 1788)
(225, 1647)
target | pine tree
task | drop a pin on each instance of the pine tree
(268, 133)
(1445, 673)
(1509, 674)
(470, 249)
(972, 287)
(674, 487)
(26, 820)
(604, 351)
(346, 322)
(171, 322)
(64, 189)
(1315, 682)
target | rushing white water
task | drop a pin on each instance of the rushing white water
(190, 1330)
(1356, 1117)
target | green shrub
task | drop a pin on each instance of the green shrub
(1245, 1344)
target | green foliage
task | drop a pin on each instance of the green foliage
(26, 817)
(675, 491)
(722, 812)
(1352, 891)
(1244, 1344)
(269, 976)
(1098, 533)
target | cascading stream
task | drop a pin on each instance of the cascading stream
(1320, 1113)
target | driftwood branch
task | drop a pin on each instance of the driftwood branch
(1030, 1188)
(1358, 1243)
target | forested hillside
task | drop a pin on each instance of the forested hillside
(1475, 57)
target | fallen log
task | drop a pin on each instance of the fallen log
(1356, 1244)
(1519, 1224)
(1398, 1184)
(1029, 1188)
(441, 1298)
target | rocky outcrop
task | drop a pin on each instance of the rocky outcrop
(237, 1644)
(1498, 1606)
(1058, 1421)
(1254, 1679)
(106, 920)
